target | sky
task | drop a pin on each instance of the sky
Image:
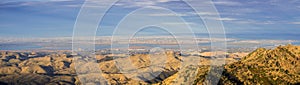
(56, 18)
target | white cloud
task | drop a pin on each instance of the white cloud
(294, 22)
(59, 0)
(141, 3)
(221, 18)
(179, 23)
(20, 3)
(167, 14)
(205, 13)
(226, 19)
(163, 0)
(254, 22)
(227, 3)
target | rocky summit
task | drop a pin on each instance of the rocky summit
(263, 66)
(267, 66)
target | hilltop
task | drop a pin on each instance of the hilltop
(268, 66)
(263, 66)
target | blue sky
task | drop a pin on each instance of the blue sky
(56, 18)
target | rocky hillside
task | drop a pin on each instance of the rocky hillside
(280, 65)
(59, 68)
(267, 66)
(32, 68)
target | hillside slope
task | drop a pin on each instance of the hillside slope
(267, 66)
(263, 66)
